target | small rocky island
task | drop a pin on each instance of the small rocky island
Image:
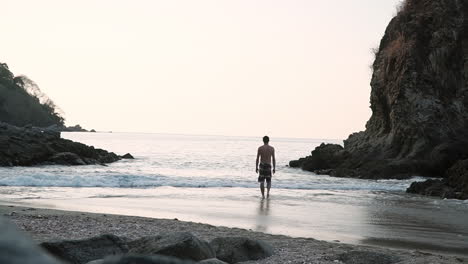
(419, 102)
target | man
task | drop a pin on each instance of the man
(266, 154)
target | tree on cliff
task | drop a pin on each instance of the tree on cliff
(23, 103)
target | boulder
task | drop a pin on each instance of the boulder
(16, 248)
(238, 249)
(367, 257)
(85, 250)
(137, 259)
(182, 245)
(432, 187)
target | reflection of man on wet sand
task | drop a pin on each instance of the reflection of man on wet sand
(266, 154)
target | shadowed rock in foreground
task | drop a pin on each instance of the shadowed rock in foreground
(34, 146)
(419, 100)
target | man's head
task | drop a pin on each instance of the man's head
(266, 139)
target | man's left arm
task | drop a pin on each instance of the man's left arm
(274, 161)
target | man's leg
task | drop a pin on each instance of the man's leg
(268, 187)
(262, 189)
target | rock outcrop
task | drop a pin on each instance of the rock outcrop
(32, 146)
(419, 98)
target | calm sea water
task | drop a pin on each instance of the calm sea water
(211, 179)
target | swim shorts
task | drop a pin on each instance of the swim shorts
(264, 172)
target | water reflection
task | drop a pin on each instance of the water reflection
(263, 212)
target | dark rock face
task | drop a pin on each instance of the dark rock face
(33, 146)
(15, 248)
(182, 245)
(367, 257)
(83, 251)
(419, 98)
(238, 249)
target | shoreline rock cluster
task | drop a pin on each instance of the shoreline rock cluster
(419, 102)
(171, 248)
(32, 146)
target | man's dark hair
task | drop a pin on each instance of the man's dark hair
(266, 139)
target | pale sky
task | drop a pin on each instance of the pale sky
(289, 68)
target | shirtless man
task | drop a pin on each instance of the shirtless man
(266, 153)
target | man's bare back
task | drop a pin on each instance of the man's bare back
(266, 153)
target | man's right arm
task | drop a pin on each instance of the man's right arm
(256, 162)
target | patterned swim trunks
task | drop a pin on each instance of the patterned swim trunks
(264, 172)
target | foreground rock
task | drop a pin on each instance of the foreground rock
(238, 249)
(31, 146)
(15, 248)
(419, 99)
(182, 245)
(83, 251)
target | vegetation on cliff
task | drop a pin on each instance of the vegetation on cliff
(22, 102)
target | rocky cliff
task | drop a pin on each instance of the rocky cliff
(419, 98)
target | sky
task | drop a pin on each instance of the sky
(289, 68)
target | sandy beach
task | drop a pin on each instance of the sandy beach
(46, 224)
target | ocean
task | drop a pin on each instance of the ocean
(211, 179)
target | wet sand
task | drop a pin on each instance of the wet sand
(395, 220)
(47, 224)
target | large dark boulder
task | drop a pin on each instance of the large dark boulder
(238, 249)
(16, 248)
(419, 98)
(85, 250)
(182, 245)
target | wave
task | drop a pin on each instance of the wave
(111, 180)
